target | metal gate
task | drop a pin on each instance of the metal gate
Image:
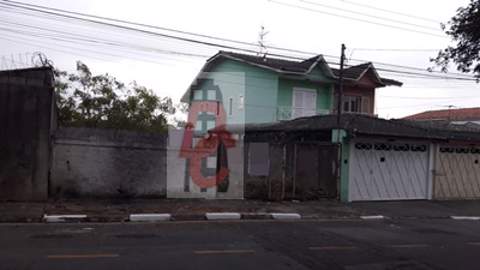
(388, 171)
(457, 173)
(315, 170)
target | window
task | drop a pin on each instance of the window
(241, 103)
(197, 94)
(230, 106)
(352, 104)
(210, 124)
(304, 102)
(198, 125)
(212, 94)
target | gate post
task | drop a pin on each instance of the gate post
(339, 136)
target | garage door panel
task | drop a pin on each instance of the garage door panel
(457, 172)
(380, 171)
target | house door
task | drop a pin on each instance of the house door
(388, 171)
(304, 102)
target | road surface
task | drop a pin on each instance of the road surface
(398, 244)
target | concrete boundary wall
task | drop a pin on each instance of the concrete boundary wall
(108, 163)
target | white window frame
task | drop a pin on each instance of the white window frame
(301, 89)
(349, 98)
(241, 102)
(197, 94)
(212, 94)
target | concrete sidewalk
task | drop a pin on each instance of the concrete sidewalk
(106, 210)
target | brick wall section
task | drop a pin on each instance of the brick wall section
(26, 125)
(108, 163)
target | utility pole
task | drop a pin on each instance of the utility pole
(340, 86)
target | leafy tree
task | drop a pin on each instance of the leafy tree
(464, 29)
(86, 100)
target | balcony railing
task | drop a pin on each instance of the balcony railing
(286, 113)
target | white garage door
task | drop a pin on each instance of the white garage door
(457, 173)
(388, 171)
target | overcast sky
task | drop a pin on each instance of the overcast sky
(288, 26)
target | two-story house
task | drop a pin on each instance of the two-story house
(257, 89)
(249, 89)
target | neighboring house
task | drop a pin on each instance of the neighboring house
(454, 116)
(379, 159)
(256, 89)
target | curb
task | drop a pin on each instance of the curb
(465, 217)
(223, 216)
(64, 218)
(375, 217)
(286, 216)
(212, 216)
(149, 217)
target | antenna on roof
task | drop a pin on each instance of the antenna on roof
(262, 47)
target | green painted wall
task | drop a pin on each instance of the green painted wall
(263, 91)
(257, 86)
(340, 136)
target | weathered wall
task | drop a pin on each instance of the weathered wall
(26, 123)
(108, 163)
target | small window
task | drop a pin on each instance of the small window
(210, 124)
(352, 104)
(197, 94)
(212, 95)
(241, 103)
(198, 125)
(230, 106)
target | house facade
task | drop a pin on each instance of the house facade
(240, 89)
(363, 159)
(258, 89)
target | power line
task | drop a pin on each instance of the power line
(394, 50)
(55, 13)
(370, 15)
(224, 46)
(390, 11)
(355, 19)
(25, 5)
(76, 37)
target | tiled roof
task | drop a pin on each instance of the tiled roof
(467, 114)
(368, 125)
(296, 68)
(351, 73)
(275, 63)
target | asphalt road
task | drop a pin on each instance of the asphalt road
(400, 244)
